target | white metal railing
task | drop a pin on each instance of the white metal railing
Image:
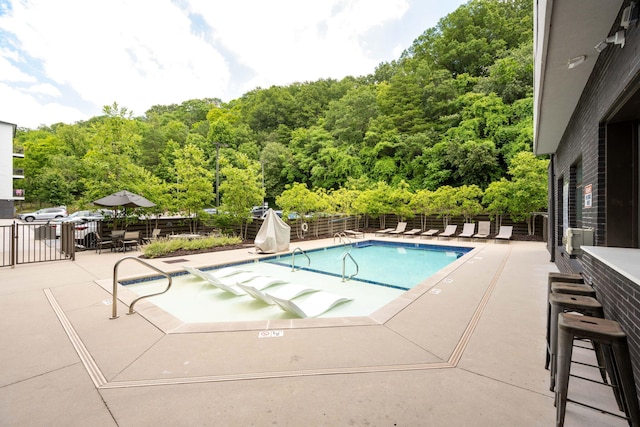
(344, 266)
(293, 258)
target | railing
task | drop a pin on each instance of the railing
(342, 236)
(114, 309)
(293, 258)
(344, 266)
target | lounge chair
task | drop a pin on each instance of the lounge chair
(505, 233)
(355, 234)
(286, 291)
(385, 231)
(449, 231)
(205, 275)
(311, 305)
(468, 229)
(484, 229)
(429, 233)
(412, 233)
(226, 283)
(399, 229)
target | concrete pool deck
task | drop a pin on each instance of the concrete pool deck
(469, 350)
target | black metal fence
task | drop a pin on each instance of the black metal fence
(32, 243)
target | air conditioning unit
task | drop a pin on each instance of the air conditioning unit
(575, 238)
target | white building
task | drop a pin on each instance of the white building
(8, 173)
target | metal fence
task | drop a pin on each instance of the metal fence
(32, 243)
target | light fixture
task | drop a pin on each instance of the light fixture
(617, 38)
(574, 62)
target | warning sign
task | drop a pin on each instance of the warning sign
(588, 197)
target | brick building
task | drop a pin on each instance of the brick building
(587, 117)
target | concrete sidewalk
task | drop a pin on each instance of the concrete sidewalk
(471, 353)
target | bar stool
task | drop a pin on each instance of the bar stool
(561, 303)
(573, 289)
(564, 278)
(612, 339)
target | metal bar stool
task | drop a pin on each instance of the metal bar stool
(557, 277)
(561, 303)
(609, 336)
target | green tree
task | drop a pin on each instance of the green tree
(241, 189)
(193, 187)
(529, 185)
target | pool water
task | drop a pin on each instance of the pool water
(396, 265)
(386, 271)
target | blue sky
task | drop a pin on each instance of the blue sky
(63, 60)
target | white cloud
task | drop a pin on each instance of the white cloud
(63, 60)
(24, 110)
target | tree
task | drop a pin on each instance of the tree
(529, 185)
(241, 189)
(193, 187)
(497, 199)
(298, 198)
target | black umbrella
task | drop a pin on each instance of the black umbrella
(126, 199)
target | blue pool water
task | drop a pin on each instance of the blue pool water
(394, 264)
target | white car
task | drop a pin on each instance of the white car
(46, 214)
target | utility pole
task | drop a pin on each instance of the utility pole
(218, 145)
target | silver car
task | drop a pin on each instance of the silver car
(44, 214)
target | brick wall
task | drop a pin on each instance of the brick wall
(620, 298)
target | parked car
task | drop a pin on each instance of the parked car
(85, 230)
(210, 211)
(96, 215)
(44, 214)
(259, 211)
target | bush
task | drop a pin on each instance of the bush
(164, 247)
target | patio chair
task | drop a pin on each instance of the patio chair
(131, 239)
(103, 243)
(448, 232)
(227, 283)
(504, 233)
(429, 233)
(468, 229)
(285, 291)
(399, 229)
(155, 235)
(412, 233)
(311, 305)
(484, 229)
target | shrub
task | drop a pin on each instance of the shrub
(164, 247)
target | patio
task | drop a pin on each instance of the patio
(470, 354)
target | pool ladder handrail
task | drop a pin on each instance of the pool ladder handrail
(293, 258)
(114, 304)
(342, 236)
(344, 265)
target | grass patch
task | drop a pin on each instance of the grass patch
(164, 247)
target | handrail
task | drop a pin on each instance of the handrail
(344, 239)
(344, 262)
(114, 310)
(293, 258)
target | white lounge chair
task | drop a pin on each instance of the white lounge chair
(311, 305)
(429, 233)
(468, 229)
(412, 232)
(399, 229)
(284, 291)
(505, 233)
(223, 272)
(385, 231)
(449, 231)
(484, 229)
(355, 234)
(226, 283)
(261, 282)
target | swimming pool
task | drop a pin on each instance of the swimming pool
(394, 264)
(394, 267)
